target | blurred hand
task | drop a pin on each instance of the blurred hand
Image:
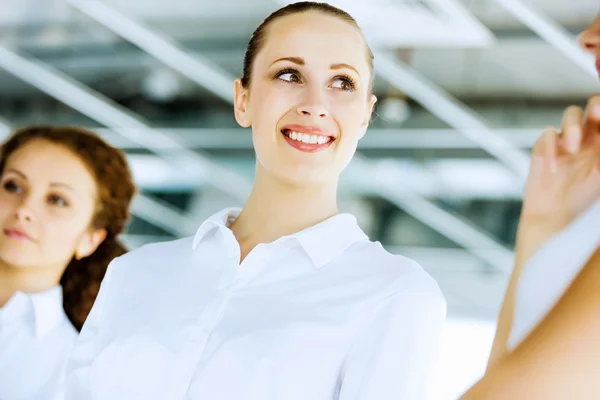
(564, 178)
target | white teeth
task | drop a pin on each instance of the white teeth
(308, 139)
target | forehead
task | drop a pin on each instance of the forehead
(316, 37)
(46, 162)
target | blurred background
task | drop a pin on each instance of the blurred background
(464, 88)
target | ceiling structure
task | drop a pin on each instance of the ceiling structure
(464, 88)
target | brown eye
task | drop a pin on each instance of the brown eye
(344, 83)
(289, 75)
(11, 187)
(57, 201)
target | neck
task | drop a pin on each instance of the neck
(25, 279)
(277, 208)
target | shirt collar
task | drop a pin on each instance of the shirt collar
(220, 219)
(45, 308)
(330, 238)
(322, 242)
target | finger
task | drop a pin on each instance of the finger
(546, 147)
(591, 125)
(572, 129)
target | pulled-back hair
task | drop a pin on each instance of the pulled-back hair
(260, 34)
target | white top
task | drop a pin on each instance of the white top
(322, 314)
(551, 270)
(36, 338)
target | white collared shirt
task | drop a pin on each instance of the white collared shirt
(36, 338)
(322, 314)
(551, 270)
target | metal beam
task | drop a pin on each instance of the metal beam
(164, 49)
(381, 180)
(551, 32)
(389, 139)
(128, 124)
(452, 111)
(199, 69)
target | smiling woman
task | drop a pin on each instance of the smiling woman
(64, 198)
(286, 298)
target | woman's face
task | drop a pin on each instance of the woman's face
(590, 40)
(47, 201)
(309, 101)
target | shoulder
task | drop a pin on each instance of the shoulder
(160, 249)
(403, 277)
(153, 257)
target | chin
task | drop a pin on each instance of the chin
(15, 256)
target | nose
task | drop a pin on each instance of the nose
(313, 104)
(589, 40)
(25, 213)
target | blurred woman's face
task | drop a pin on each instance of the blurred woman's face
(47, 201)
(590, 40)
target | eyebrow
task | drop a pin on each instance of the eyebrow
(300, 61)
(53, 184)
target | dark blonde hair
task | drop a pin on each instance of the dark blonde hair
(81, 279)
(259, 36)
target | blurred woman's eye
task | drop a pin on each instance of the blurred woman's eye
(58, 201)
(11, 186)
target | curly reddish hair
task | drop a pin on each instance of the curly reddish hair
(81, 279)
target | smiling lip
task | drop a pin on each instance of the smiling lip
(17, 235)
(308, 130)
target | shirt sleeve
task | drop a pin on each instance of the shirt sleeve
(78, 383)
(396, 352)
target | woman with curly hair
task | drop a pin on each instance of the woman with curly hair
(64, 199)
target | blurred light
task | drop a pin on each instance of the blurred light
(161, 85)
(394, 109)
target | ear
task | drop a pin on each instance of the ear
(89, 242)
(365, 123)
(240, 104)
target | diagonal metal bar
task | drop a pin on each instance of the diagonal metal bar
(452, 111)
(199, 69)
(383, 181)
(552, 33)
(145, 207)
(471, 238)
(124, 122)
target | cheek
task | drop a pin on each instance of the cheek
(269, 107)
(6, 207)
(270, 104)
(349, 113)
(59, 237)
